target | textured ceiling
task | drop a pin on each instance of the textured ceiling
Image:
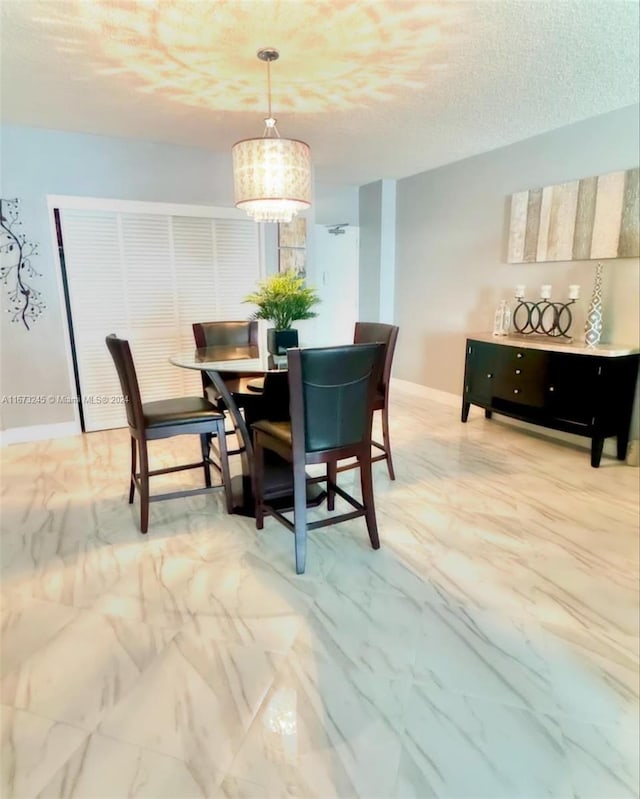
(378, 88)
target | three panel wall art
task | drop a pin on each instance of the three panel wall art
(592, 218)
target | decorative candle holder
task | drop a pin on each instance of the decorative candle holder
(593, 324)
(543, 317)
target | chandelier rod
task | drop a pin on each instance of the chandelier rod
(269, 54)
(269, 87)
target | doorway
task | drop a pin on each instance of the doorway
(337, 273)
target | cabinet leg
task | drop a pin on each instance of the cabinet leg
(465, 411)
(622, 445)
(597, 442)
(487, 413)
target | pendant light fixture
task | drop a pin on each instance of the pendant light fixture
(271, 175)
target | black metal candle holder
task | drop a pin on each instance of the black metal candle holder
(543, 317)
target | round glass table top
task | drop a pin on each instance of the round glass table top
(216, 358)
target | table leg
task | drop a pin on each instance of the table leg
(622, 445)
(597, 443)
(278, 473)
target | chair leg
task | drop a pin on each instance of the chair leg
(132, 484)
(258, 484)
(224, 466)
(300, 515)
(332, 476)
(144, 486)
(366, 483)
(205, 442)
(387, 442)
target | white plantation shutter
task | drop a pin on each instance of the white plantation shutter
(153, 314)
(147, 277)
(236, 250)
(195, 284)
(95, 277)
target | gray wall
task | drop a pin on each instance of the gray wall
(451, 243)
(370, 244)
(37, 162)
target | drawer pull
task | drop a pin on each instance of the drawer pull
(552, 388)
(518, 355)
(518, 371)
(489, 375)
(516, 390)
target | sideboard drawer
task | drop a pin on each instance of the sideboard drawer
(521, 375)
(521, 391)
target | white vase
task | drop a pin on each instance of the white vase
(593, 324)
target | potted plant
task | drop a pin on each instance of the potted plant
(283, 298)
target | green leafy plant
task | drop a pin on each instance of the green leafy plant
(283, 298)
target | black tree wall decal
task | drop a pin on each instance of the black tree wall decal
(15, 254)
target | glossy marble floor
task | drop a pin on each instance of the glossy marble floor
(489, 649)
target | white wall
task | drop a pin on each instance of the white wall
(35, 163)
(450, 244)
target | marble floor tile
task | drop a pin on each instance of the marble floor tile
(490, 648)
(271, 632)
(375, 632)
(324, 731)
(318, 657)
(78, 577)
(32, 747)
(595, 679)
(275, 547)
(103, 768)
(28, 625)
(471, 577)
(563, 594)
(460, 747)
(383, 571)
(603, 760)
(83, 670)
(162, 590)
(233, 788)
(483, 654)
(195, 703)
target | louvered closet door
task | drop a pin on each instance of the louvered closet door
(148, 277)
(232, 245)
(150, 285)
(96, 282)
(194, 263)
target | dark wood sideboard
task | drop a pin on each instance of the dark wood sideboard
(565, 387)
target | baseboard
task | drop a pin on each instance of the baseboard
(455, 401)
(37, 432)
(417, 390)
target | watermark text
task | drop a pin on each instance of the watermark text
(63, 399)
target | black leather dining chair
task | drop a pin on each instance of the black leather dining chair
(332, 392)
(149, 421)
(241, 337)
(387, 335)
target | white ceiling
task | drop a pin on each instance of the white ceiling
(378, 88)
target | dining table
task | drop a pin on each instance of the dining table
(240, 389)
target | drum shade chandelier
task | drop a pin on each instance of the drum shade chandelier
(271, 175)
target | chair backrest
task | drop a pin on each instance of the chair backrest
(241, 335)
(370, 332)
(274, 402)
(332, 392)
(123, 360)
